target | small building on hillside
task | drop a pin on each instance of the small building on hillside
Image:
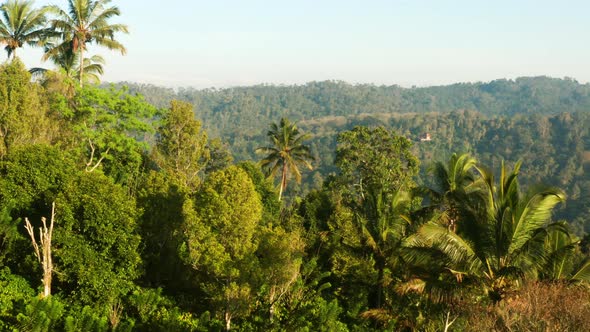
(425, 137)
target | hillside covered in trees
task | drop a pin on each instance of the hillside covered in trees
(118, 215)
(542, 121)
(321, 207)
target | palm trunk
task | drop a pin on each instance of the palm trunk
(380, 280)
(283, 181)
(81, 72)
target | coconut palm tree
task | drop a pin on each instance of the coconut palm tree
(85, 22)
(20, 24)
(68, 64)
(503, 242)
(286, 153)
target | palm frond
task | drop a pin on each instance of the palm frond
(582, 273)
(534, 211)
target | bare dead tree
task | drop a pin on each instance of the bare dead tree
(44, 253)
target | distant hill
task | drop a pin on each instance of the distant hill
(543, 121)
(525, 95)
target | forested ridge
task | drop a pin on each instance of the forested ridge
(321, 207)
(540, 120)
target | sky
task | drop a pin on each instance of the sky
(223, 43)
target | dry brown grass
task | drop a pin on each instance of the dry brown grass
(536, 306)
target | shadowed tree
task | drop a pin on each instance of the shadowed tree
(454, 183)
(220, 227)
(375, 181)
(286, 153)
(563, 259)
(24, 112)
(22, 24)
(84, 23)
(504, 242)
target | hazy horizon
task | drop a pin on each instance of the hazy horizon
(351, 83)
(229, 43)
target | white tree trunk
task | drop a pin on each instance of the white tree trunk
(44, 254)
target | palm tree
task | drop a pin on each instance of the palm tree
(85, 22)
(454, 183)
(502, 243)
(69, 65)
(563, 259)
(286, 153)
(382, 223)
(22, 24)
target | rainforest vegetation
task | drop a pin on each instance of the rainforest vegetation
(322, 207)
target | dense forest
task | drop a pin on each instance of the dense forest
(120, 215)
(542, 121)
(322, 207)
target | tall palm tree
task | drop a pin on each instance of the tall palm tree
(286, 153)
(22, 24)
(85, 22)
(505, 239)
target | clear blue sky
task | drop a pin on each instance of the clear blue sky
(409, 42)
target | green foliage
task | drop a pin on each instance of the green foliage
(14, 293)
(453, 185)
(502, 241)
(220, 238)
(228, 204)
(32, 177)
(9, 233)
(220, 156)
(86, 320)
(285, 153)
(111, 124)
(264, 188)
(68, 64)
(41, 315)
(543, 121)
(371, 219)
(97, 242)
(181, 148)
(306, 309)
(156, 312)
(375, 159)
(161, 201)
(23, 111)
(198, 245)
